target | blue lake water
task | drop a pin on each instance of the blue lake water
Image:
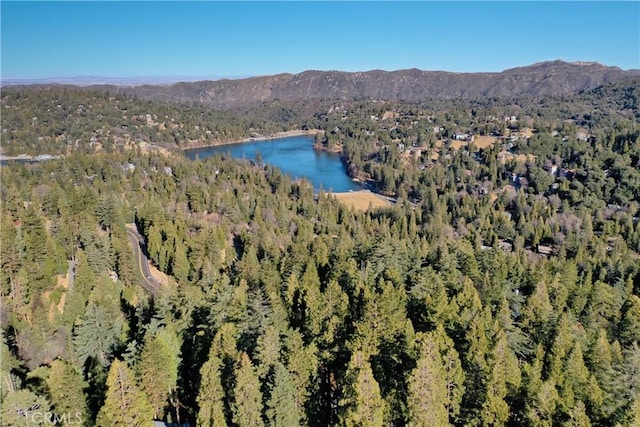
(294, 156)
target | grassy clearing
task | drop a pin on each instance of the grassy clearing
(361, 200)
(483, 142)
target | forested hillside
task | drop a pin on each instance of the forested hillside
(502, 287)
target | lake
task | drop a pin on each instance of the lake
(294, 156)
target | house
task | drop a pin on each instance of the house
(582, 135)
(546, 250)
(505, 246)
(567, 173)
(128, 167)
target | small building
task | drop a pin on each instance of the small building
(461, 136)
(546, 250)
(505, 246)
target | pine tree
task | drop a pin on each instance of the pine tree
(268, 350)
(247, 397)
(601, 365)
(429, 303)
(579, 384)
(541, 397)
(66, 393)
(475, 365)
(630, 325)
(211, 396)
(504, 378)
(83, 282)
(538, 312)
(335, 306)
(19, 407)
(578, 416)
(384, 317)
(158, 367)
(125, 404)
(125, 264)
(427, 402)
(97, 334)
(282, 410)
(106, 212)
(302, 362)
(180, 265)
(9, 253)
(361, 402)
(625, 384)
(454, 374)
(34, 238)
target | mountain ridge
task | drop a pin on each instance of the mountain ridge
(545, 78)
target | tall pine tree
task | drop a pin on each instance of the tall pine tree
(125, 404)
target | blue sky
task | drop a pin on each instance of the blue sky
(213, 39)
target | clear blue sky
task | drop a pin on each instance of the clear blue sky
(129, 39)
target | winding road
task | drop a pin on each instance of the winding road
(137, 242)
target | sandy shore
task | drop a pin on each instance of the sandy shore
(277, 135)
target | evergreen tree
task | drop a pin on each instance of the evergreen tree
(125, 404)
(454, 374)
(268, 350)
(282, 410)
(66, 391)
(579, 384)
(97, 334)
(80, 288)
(361, 403)
(23, 408)
(630, 325)
(541, 397)
(503, 379)
(427, 402)
(578, 416)
(625, 385)
(158, 367)
(302, 363)
(180, 266)
(247, 397)
(211, 395)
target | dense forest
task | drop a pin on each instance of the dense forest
(501, 288)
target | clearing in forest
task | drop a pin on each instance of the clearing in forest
(362, 200)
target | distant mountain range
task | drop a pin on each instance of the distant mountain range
(541, 79)
(100, 80)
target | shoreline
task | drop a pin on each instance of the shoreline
(277, 135)
(364, 183)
